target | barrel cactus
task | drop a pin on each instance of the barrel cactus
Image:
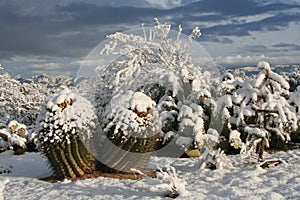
(132, 126)
(14, 137)
(64, 124)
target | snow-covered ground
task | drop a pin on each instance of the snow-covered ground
(242, 181)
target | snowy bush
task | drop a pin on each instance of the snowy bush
(294, 100)
(20, 101)
(292, 77)
(158, 64)
(175, 186)
(275, 114)
(260, 102)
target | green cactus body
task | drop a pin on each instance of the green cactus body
(57, 166)
(62, 157)
(84, 158)
(74, 162)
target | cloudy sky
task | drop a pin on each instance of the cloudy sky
(39, 36)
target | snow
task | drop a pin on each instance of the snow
(280, 80)
(16, 140)
(234, 139)
(242, 181)
(13, 123)
(141, 102)
(264, 66)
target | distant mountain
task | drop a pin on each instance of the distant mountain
(252, 70)
(49, 81)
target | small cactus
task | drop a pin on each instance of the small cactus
(14, 138)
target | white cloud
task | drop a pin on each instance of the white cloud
(253, 60)
(164, 3)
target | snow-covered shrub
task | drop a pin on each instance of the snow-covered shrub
(65, 121)
(235, 139)
(175, 186)
(294, 100)
(211, 157)
(260, 102)
(161, 67)
(292, 77)
(257, 140)
(274, 113)
(20, 101)
(4, 143)
(229, 83)
(214, 159)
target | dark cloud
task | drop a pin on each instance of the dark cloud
(234, 8)
(212, 38)
(274, 23)
(226, 8)
(71, 29)
(67, 31)
(91, 14)
(286, 46)
(256, 48)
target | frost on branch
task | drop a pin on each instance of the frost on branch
(155, 58)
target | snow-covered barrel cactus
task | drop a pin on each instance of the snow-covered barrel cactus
(65, 122)
(14, 137)
(133, 126)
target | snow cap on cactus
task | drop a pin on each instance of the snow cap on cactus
(13, 125)
(65, 113)
(133, 113)
(21, 130)
(141, 102)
